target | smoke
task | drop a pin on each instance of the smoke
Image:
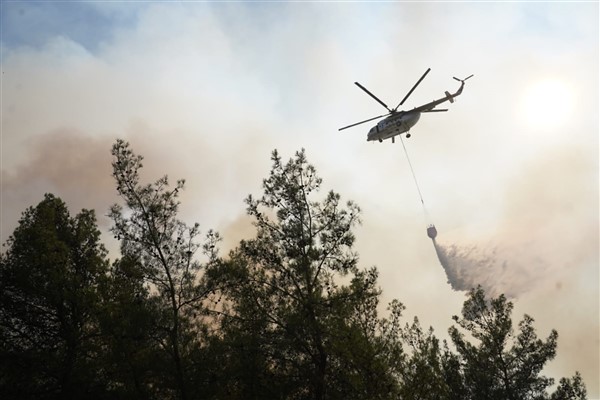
(541, 252)
(65, 162)
(207, 96)
(546, 235)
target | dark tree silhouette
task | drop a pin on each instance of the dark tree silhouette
(49, 304)
(502, 364)
(287, 315)
(301, 318)
(164, 246)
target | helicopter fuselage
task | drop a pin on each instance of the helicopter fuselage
(396, 124)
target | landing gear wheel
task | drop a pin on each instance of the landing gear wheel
(380, 140)
(407, 135)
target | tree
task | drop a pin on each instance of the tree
(570, 389)
(299, 318)
(430, 371)
(492, 369)
(49, 301)
(129, 322)
(151, 233)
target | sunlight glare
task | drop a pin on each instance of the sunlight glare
(547, 105)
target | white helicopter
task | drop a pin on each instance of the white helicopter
(398, 122)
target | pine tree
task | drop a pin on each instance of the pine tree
(49, 304)
(299, 316)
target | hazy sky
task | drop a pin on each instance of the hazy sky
(205, 91)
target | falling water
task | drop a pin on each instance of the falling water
(492, 268)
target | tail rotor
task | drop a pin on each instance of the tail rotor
(463, 80)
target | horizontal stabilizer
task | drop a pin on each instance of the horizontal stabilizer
(449, 96)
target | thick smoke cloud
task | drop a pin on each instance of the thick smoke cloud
(543, 254)
(64, 162)
(205, 91)
(548, 231)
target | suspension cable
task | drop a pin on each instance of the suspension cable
(415, 178)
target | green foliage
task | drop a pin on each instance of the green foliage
(287, 315)
(49, 301)
(129, 320)
(501, 365)
(164, 247)
(294, 329)
(570, 389)
(430, 372)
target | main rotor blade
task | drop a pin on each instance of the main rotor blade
(362, 122)
(413, 88)
(435, 110)
(372, 95)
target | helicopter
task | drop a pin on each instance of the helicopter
(398, 122)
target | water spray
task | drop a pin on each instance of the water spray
(465, 268)
(496, 270)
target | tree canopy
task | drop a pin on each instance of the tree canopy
(50, 280)
(288, 314)
(301, 311)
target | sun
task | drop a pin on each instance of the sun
(547, 104)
